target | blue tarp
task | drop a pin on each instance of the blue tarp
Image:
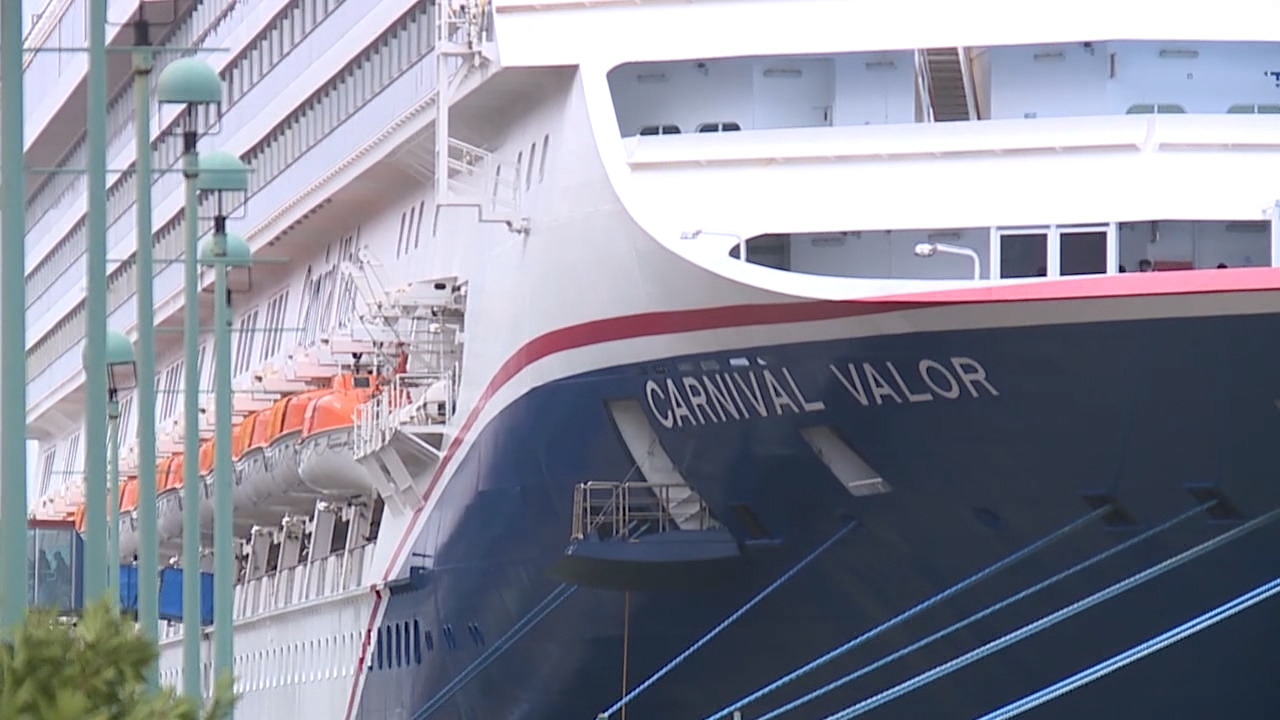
(170, 593)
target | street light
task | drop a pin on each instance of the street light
(122, 368)
(929, 249)
(122, 374)
(223, 172)
(95, 269)
(145, 397)
(695, 234)
(13, 308)
(190, 82)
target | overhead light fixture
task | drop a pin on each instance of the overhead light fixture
(1048, 56)
(875, 65)
(783, 73)
(930, 249)
(652, 78)
(1180, 54)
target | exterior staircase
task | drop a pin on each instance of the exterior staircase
(946, 85)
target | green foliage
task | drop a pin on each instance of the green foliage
(93, 670)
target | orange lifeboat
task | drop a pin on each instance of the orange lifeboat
(276, 432)
(327, 462)
(264, 425)
(169, 499)
(128, 495)
(205, 471)
(79, 517)
(128, 523)
(206, 458)
(242, 438)
(128, 517)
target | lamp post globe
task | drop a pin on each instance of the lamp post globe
(188, 81)
(235, 255)
(221, 171)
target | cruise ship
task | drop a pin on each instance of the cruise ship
(786, 358)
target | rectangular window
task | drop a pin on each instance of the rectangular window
(246, 331)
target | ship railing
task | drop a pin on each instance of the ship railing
(626, 510)
(334, 574)
(312, 580)
(924, 93)
(411, 399)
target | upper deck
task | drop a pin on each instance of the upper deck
(1049, 159)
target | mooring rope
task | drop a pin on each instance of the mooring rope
(1156, 644)
(727, 622)
(557, 596)
(1050, 620)
(922, 607)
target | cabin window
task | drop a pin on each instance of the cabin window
(713, 127)
(1082, 252)
(542, 163)
(528, 175)
(1254, 110)
(1156, 109)
(1024, 254)
(649, 130)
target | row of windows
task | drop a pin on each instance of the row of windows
(318, 659)
(167, 149)
(410, 236)
(396, 645)
(326, 109)
(53, 475)
(402, 644)
(60, 188)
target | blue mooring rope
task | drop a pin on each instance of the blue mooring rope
(922, 607)
(727, 622)
(549, 603)
(1050, 620)
(1160, 642)
(985, 613)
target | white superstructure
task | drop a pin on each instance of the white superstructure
(607, 158)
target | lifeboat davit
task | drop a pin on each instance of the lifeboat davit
(327, 462)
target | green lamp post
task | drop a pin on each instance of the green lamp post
(228, 254)
(13, 331)
(122, 374)
(144, 398)
(95, 299)
(190, 82)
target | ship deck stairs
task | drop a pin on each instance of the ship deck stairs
(637, 535)
(946, 85)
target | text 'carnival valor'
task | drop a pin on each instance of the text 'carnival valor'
(726, 396)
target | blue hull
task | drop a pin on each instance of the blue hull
(1032, 421)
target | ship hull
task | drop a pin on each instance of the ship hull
(1024, 427)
